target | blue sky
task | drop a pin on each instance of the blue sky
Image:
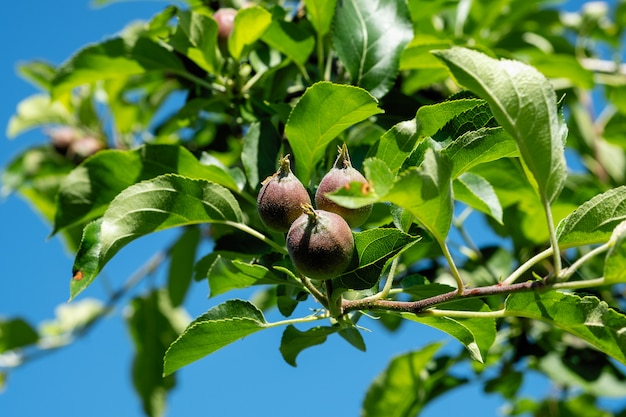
(92, 376)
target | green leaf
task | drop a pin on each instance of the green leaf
(228, 274)
(615, 264)
(153, 324)
(426, 192)
(39, 73)
(476, 192)
(586, 317)
(434, 117)
(294, 341)
(396, 144)
(114, 58)
(594, 221)
(197, 39)
(87, 191)
(405, 386)
(370, 42)
(479, 146)
(182, 260)
(323, 112)
(259, 154)
(250, 24)
(373, 249)
(290, 39)
(37, 111)
(417, 54)
(320, 13)
(530, 115)
(158, 204)
(215, 329)
(476, 334)
(16, 333)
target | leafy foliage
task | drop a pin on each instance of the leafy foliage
(380, 77)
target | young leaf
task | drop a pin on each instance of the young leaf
(530, 115)
(396, 144)
(290, 39)
(370, 41)
(197, 39)
(594, 221)
(158, 204)
(87, 191)
(324, 111)
(476, 334)
(479, 146)
(320, 13)
(218, 327)
(153, 324)
(476, 192)
(182, 259)
(586, 317)
(250, 24)
(373, 249)
(426, 191)
(294, 341)
(432, 118)
(615, 264)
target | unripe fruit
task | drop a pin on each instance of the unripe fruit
(320, 244)
(341, 175)
(225, 18)
(281, 198)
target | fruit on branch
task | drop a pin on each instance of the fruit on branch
(341, 175)
(320, 244)
(225, 18)
(74, 144)
(280, 200)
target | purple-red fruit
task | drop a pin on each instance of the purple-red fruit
(281, 198)
(340, 176)
(225, 18)
(320, 244)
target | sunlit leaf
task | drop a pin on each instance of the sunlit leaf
(477, 193)
(615, 264)
(321, 13)
(530, 115)
(426, 191)
(586, 317)
(593, 222)
(372, 37)
(215, 329)
(228, 274)
(158, 204)
(87, 191)
(324, 111)
(16, 333)
(290, 39)
(250, 24)
(38, 111)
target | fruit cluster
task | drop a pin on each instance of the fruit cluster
(319, 241)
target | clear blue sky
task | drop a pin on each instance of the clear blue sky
(92, 376)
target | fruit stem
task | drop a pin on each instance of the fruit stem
(284, 168)
(334, 306)
(309, 211)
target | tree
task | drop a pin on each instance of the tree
(454, 114)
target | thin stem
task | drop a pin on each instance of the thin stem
(245, 228)
(569, 271)
(455, 272)
(553, 240)
(334, 306)
(526, 266)
(320, 55)
(200, 81)
(306, 319)
(575, 285)
(314, 291)
(388, 284)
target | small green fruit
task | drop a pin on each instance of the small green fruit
(341, 175)
(281, 198)
(320, 244)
